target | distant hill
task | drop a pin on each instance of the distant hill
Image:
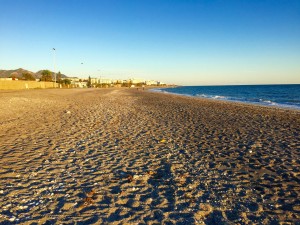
(18, 73)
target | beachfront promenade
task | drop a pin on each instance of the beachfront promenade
(127, 156)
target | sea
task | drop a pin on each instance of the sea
(280, 95)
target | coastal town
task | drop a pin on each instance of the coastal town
(106, 82)
(23, 79)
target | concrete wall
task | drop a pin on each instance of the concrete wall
(21, 84)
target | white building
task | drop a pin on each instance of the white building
(137, 80)
(101, 81)
(161, 83)
(105, 81)
(151, 82)
(94, 80)
(80, 84)
(72, 79)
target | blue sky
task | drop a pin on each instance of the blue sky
(185, 42)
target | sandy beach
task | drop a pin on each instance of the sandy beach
(122, 156)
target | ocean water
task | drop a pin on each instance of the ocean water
(284, 96)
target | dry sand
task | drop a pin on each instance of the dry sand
(120, 156)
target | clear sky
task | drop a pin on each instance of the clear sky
(186, 42)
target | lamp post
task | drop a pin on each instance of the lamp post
(54, 52)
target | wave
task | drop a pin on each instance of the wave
(264, 102)
(256, 101)
(212, 96)
(245, 100)
(286, 96)
(268, 102)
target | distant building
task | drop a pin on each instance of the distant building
(117, 81)
(76, 82)
(101, 81)
(72, 79)
(80, 84)
(137, 80)
(152, 82)
(94, 80)
(106, 81)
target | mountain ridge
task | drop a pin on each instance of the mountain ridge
(18, 73)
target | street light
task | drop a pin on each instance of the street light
(54, 52)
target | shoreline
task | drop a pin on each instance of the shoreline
(287, 109)
(126, 156)
(291, 108)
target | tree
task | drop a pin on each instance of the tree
(118, 82)
(27, 76)
(67, 81)
(14, 75)
(140, 84)
(89, 83)
(128, 83)
(46, 75)
(58, 76)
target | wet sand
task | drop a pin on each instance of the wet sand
(121, 156)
